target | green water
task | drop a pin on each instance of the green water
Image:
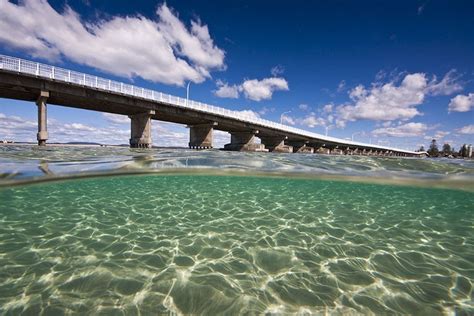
(202, 244)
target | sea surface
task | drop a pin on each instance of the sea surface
(108, 230)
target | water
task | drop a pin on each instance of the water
(110, 230)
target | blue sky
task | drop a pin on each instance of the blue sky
(398, 72)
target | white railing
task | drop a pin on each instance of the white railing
(14, 64)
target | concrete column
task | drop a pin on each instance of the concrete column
(337, 151)
(42, 134)
(301, 147)
(141, 130)
(276, 144)
(200, 135)
(244, 141)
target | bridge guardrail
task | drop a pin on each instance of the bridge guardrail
(37, 69)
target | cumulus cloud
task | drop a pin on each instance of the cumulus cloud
(468, 129)
(17, 128)
(116, 118)
(163, 49)
(303, 107)
(397, 99)
(286, 119)
(386, 102)
(312, 121)
(253, 89)
(404, 130)
(441, 134)
(258, 90)
(448, 85)
(461, 103)
(224, 90)
(328, 108)
(250, 114)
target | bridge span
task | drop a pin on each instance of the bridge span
(45, 84)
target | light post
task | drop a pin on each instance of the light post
(327, 129)
(187, 93)
(281, 116)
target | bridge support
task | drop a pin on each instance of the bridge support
(322, 150)
(276, 144)
(141, 130)
(244, 141)
(201, 136)
(337, 151)
(42, 135)
(302, 147)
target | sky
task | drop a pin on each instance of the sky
(396, 73)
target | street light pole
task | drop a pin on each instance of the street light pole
(327, 128)
(281, 116)
(187, 93)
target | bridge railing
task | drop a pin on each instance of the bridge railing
(73, 77)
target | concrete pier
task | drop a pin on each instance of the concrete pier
(141, 130)
(301, 147)
(276, 144)
(244, 141)
(201, 135)
(323, 150)
(42, 134)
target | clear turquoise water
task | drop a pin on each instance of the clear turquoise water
(206, 243)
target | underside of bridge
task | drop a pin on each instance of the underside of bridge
(142, 111)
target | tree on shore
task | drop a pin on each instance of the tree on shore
(433, 151)
(446, 149)
(422, 148)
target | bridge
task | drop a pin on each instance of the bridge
(45, 84)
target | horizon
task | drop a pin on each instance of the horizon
(380, 82)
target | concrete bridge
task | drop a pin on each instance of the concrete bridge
(45, 84)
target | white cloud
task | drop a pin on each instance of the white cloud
(80, 127)
(253, 89)
(386, 102)
(226, 91)
(258, 90)
(328, 108)
(161, 50)
(116, 118)
(286, 119)
(448, 85)
(249, 113)
(441, 134)
(461, 103)
(341, 86)
(405, 130)
(313, 121)
(391, 101)
(266, 110)
(277, 70)
(303, 107)
(468, 129)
